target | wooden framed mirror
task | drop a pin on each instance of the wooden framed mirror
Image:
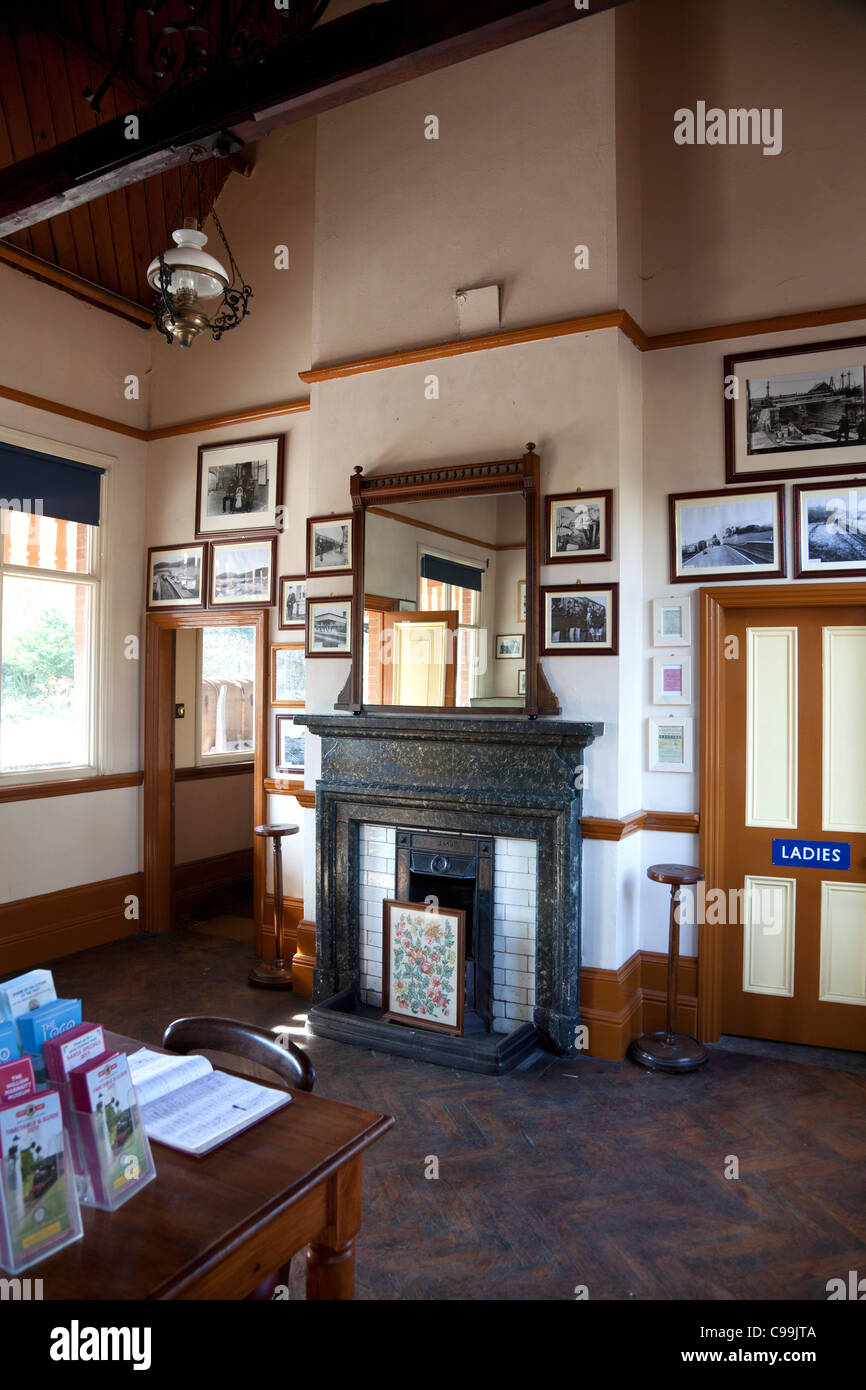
(445, 579)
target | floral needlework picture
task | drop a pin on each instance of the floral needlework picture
(423, 969)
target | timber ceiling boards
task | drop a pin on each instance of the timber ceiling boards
(77, 193)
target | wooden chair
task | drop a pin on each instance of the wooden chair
(286, 1060)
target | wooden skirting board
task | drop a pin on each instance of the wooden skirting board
(618, 1005)
(205, 886)
(36, 930)
(674, 822)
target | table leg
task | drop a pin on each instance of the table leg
(331, 1272)
(331, 1256)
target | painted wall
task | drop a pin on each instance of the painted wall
(728, 232)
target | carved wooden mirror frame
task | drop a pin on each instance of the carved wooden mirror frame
(464, 480)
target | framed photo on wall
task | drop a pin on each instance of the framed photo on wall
(176, 577)
(329, 626)
(830, 529)
(290, 745)
(797, 411)
(579, 527)
(293, 601)
(239, 486)
(521, 682)
(288, 675)
(732, 534)
(329, 545)
(672, 679)
(672, 621)
(242, 573)
(580, 620)
(671, 744)
(509, 646)
(521, 600)
(423, 969)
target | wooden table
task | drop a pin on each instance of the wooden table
(214, 1227)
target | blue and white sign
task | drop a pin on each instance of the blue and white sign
(812, 854)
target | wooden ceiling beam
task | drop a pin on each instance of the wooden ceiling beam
(379, 46)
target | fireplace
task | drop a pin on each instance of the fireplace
(482, 814)
(456, 870)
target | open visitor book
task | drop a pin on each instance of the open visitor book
(187, 1105)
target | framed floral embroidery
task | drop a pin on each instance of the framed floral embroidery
(423, 966)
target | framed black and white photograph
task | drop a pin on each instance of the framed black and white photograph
(672, 678)
(242, 572)
(727, 535)
(521, 600)
(329, 545)
(176, 577)
(830, 529)
(293, 600)
(521, 682)
(288, 675)
(509, 646)
(239, 487)
(290, 745)
(797, 412)
(671, 743)
(672, 621)
(579, 527)
(329, 626)
(580, 620)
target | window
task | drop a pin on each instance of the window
(437, 595)
(227, 685)
(49, 615)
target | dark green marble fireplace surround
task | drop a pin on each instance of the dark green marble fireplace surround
(516, 778)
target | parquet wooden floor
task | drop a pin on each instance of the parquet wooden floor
(569, 1173)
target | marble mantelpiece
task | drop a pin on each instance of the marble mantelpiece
(515, 778)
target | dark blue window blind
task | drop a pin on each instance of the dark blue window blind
(450, 572)
(46, 484)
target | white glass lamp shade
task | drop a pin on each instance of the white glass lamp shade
(194, 272)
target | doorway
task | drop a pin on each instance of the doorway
(783, 813)
(219, 743)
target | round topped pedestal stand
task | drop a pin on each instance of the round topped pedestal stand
(275, 974)
(670, 1051)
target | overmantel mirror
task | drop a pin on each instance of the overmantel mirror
(447, 562)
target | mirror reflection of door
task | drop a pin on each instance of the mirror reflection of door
(443, 580)
(214, 745)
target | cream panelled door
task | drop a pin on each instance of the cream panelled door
(794, 954)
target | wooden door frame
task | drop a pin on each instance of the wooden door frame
(714, 605)
(158, 814)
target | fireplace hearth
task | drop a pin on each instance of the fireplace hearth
(437, 806)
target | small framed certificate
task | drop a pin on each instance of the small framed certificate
(672, 621)
(671, 744)
(672, 678)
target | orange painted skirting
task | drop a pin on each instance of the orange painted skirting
(618, 1005)
(36, 930)
(675, 822)
(293, 911)
(70, 786)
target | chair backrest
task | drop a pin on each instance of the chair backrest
(244, 1040)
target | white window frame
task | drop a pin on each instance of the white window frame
(242, 755)
(481, 626)
(99, 673)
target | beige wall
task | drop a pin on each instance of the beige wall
(523, 170)
(728, 232)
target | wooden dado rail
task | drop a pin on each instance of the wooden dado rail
(592, 827)
(615, 318)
